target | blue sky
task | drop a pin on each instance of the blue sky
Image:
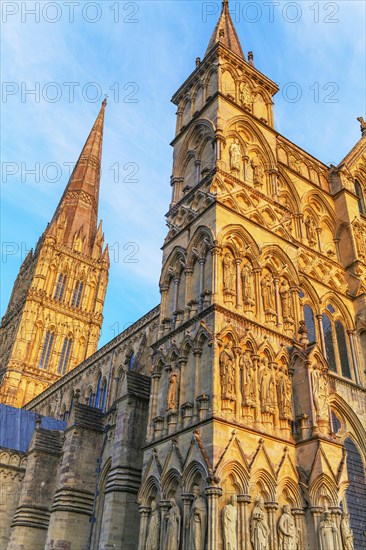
(315, 51)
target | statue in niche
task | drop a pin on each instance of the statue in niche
(197, 521)
(268, 293)
(229, 524)
(152, 540)
(258, 172)
(347, 533)
(310, 230)
(284, 394)
(172, 535)
(235, 155)
(229, 273)
(247, 285)
(259, 530)
(320, 390)
(246, 96)
(266, 385)
(247, 375)
(328, 534)
(287, 532)
(359, 238)
(286, 300)
(173, 393)
(295, 164)
(227, 371)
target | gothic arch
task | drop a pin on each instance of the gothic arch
(293, 191)
(276, 252)
(170, 479)
(266, 482)
(333, 299)
(315, 198)
(235, 469)
(354, 427)
(237, 234)
(289, 486)
(201, 240)
(176, 259)
(149, 489)
(323, 487)
(193, 474)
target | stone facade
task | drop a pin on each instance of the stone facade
(231, 416)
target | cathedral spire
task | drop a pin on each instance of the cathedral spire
(79, 203)
(225, 32)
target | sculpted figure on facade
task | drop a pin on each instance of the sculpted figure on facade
(359, 234)
(227, 371)
(197, 521)
(284, 394)
(173, 392)
(172, 535)
(320, 391)
(246, 96)
(235, 155)
(248, 285)
(268, 293)
(286, 301)
(152, 540)
(266, 386)
(346, 533)
(310, 230)
(259, 530)
(229, 273)
(287, 533)
(258, 172)
(328, 534)
(229, 524)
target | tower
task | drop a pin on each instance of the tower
(258, 322)
(54, 316)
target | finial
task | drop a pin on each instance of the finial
(225, 3)
(221, 34)
(363, 125)
(104, 103)
(251, 58)
(198, 61)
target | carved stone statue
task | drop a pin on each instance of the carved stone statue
(320, 391)
(173, 393)
(284, 394)
(152, 540)
(328, 534)
(235, 155)
(268, 293)
(229, 524)
(266, 386)
(246, 96)
(246, 367)
(227, 372)
(247, 285)
(359, 233)
(229, 273)
(258, 173)
(310, 230)
(286, 301)
(287, 535)
(172, 535)
(347, 533)
(259, 530)
(197, 521)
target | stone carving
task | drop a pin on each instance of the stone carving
(359, 233)
(310, 230)
(197, 521)
(268, 293)
(152, 540)
(172, 536)
(295, 164)
(246, 96)
(347, 533)
(173, 393)
(229, 523)
(286, 301)
(235, 155)
(248, 378)
(320, 391)
(248, 285)
(227, 372)
(287, 535)
(229, 273)
(328, 534)
(259, 530)
(284, 394)
(266, 386)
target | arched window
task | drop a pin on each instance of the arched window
(328, 342)
(131, 360)
(77, 294)
(46, 350)
(103, 395)
(65, 356)
(342, 349)
(361, 200)
(356, 493)
(91, 398)
(60, 287)
(310, 324)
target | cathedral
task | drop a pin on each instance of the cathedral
(231, 416)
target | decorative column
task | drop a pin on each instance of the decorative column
(188, 273)
(239, 293)
(272, 507)
(310, 385)
(154, 399)
(318, 233)
(144, 521)
(276, 280)
(164, 506)
(300, 221)
(299, 514)
(295, 304)
(187, 499)
(197, 352)
(216, 253)
(164, 294)
(201, 263)
(197, 164)
(245, 162)
(244, 535)
(176, 281)
(213, 493)
(257, 284)
(182, 361)
(317, 512)
(321, 332)
(354, 356)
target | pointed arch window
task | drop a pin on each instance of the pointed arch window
(329, 344)
(91, 398)
(342, 349)
(101, 393)
(46, 350)
(77, 294)
(131, 360)
(310, 323)
(60, 287)
(65, 356)
(360, 197)
(335, 344)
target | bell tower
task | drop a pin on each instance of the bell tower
(54, 316)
